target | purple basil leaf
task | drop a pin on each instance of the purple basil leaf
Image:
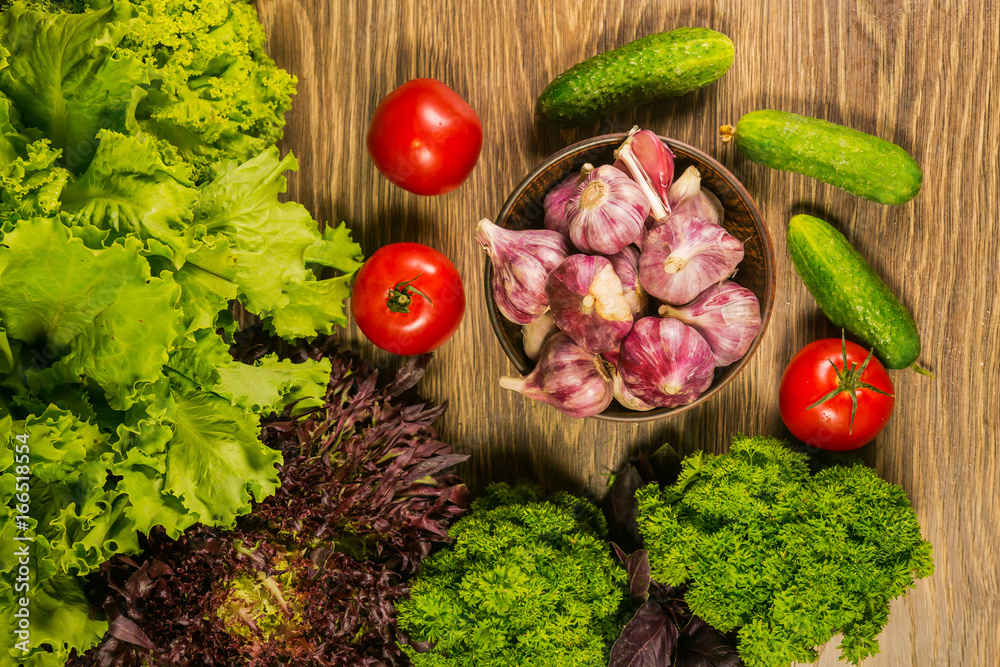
(124, 629)
(647, 641)
(637, 567)
(621, 510)
(666, 465)
(701, 645)
(432, 467)
(409, 375)
(645, 469)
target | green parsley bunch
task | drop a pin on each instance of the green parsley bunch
(527, 581)
(789, 558)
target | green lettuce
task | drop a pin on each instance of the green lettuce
(214, 96)
(72, 519)
(129, 190)
(272, 246)
(67, 77)
(139, 199)
(30, 178)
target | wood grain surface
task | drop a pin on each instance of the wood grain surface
(925, 75)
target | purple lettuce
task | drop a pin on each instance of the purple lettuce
(311, 576)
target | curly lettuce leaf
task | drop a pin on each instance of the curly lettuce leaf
(207, 291)
(65, 453)
(214, 94)
(66, 76)
(271, 384)
(144, 446)
(199, 458)
(60, 618)
(193, 453)
(128, 189)
(214, 460)
(81, 520)
(92, 308)
(271, 245)
(6, 355)
(30, 178)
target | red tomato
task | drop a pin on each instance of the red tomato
(425, 138)
(408, 299)
(823, 383)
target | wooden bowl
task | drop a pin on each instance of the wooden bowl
(524, 210)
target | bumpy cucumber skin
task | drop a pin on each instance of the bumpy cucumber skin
(863, 165)
(652, 67)
(850, 293)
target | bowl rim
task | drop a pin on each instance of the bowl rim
(768, 257)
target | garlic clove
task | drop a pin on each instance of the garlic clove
(534, 334)
(688, 197)
(522, 260)
(626, 266)
(588, 302)
(557, 198)
(684, 255)
(726, 315)
(607, 212)
(566, 377)
(665, 363)
(651, 164)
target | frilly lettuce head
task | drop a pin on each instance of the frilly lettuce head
(139, 199)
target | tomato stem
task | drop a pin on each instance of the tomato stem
(401, 295)
(849, 380)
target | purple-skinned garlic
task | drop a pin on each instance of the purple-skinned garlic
(651, 164)
(689, 198)
(665, 363)
(626, 266)
(534, 334)
(587, 302)
(684, 255)
(607, 212)
(626, 398)
(726, 315)
(522, 260)
(566, 377)
(557, 198)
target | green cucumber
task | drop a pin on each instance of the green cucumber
(650, 68)
(863, 165)
(850, 293)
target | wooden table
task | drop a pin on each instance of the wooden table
(925, 75)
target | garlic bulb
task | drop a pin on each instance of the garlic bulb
(665, 363)
(626, 398)
(588, 303)
(566, 377)
(522, 261)
(626, 266)
(534, 334)
(651, 164)
(558, 197)
(607, 212)
(684, 255)
(726, 315)
(688, 197)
